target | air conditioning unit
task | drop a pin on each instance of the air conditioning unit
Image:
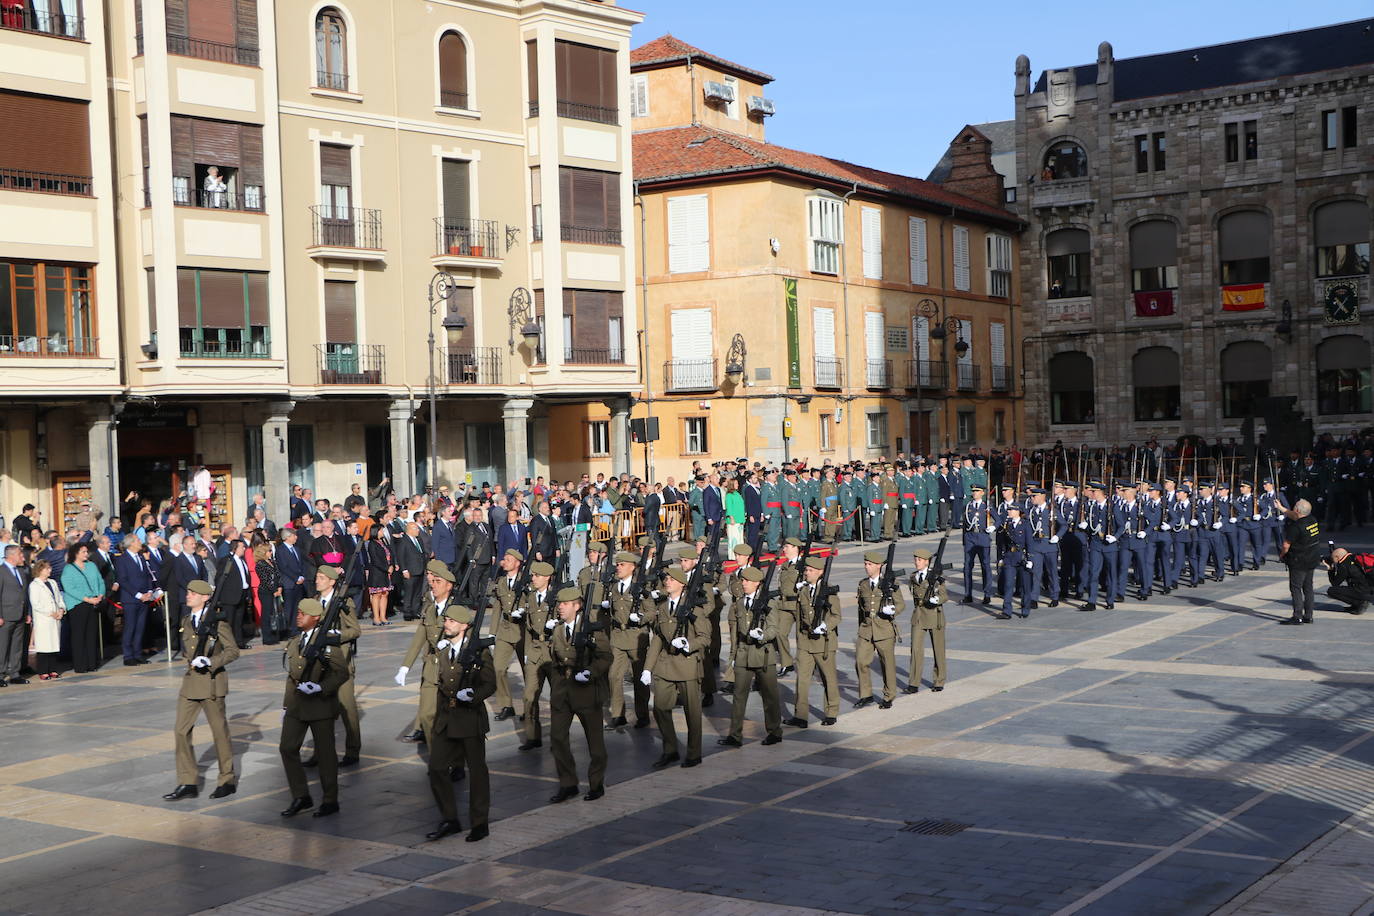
(760, 106)
(719, 92)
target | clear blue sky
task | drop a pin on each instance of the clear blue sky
(887, 83)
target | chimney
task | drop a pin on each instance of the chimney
(971, 172)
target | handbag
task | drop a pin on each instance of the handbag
(277, 615)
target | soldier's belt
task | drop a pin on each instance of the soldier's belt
(892, 494)
(908, 496)
(794, 505)
(773, 505)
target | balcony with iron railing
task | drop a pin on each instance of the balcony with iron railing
(927, 373)
(346, 233)
(969, 376)
(21, 18)
(250, 200)
(45, 182)
(594, 356)
(690, 375)
(351, 364)
(580, 111)
(472, 365)
(225, 343)
(584, 235)
(453, 98)
(1001, 378)
(200, 49)
(468, 242)
(878, 373)
(331, 80)
(54, 345)
(829, 372)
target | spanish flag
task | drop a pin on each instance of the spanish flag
(1243, 298)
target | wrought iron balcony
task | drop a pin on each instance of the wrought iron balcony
(351, 364)
(472, 365)
(829, 372)
(469, 238)
(57, 345)
(182, 46)
(1001, 378)
(250, 200)
(45, 182)
(878, 373)
(588, 236)
(226, 344)
(47, 22)
(594, 356)
(690, 375)
(926, 373)
(580, 111)
(329, 79)
(345, 227)
(453, 98)
(969, 376)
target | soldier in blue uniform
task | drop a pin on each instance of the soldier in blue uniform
(1247, 509)
(874, 503)
(979, 525)
(1103, 530)
(792, 496)
(1230, 527)
(1272, 506)
(1137, 550)
(1210, 541)
(848, 502)
(906, 496)
(919, 497)
(1043, 544)
(1072, 544)
(1015, 566)
(1161, 540)
(932, 513)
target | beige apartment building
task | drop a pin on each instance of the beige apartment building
(231, 247)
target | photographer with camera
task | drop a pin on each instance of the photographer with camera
(1350, 578)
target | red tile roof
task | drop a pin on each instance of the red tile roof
(680, 153)
(670, 50)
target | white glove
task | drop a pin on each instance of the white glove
(605, 604)
(1164, 526)
(1216, 526)
(200, 661)
(465, 695)
(1111, 539)
(1193, 523)
(991, 529)
(654, 594)
(756, 634)
(550, 624)
(442, 644)
(517, 614)
(309, 687)
(821, 630)
(401, 675)
(582, 677)
(888, 610)
(1255, 517)
(1054, 539)
(715, 590)
(646, 678)
(681, 643)
(1030, 565)
(933, 601)
(1082, 526)
(1140, 535)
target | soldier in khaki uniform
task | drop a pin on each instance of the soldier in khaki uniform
(789, 575)
(347, 635)
(509, 631)
(204, 685)
(428, 632)
(688, 556)
(629, 642)
(754, 634)
(537, 614)
(927, 621)
(460, 726)
(877, 633)
(817, 647)
(312, 703)
(674, 668)
(592, 572)
(728, 588)
(892, 502)
(577, 688)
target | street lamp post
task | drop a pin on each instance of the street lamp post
(520, 312)
(735, 360)
(441, 287)
(940, 329)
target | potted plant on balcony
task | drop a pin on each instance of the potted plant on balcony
(477, 251)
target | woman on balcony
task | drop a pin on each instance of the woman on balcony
(380, 566)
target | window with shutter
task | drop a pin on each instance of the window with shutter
(586, 78)
(457, 191)
(639, 95)
(692, 366)
(872, 225)
(46, 309)
(916, 240)
(825, 231)
(212, 21)
(999, 265)
(997, 339)
(961, 262)
(46, 139)
(340, 312)
(875, 328)
(331, 50)
(453, 71)
(828, 373)
(689, 234)
(590, 204)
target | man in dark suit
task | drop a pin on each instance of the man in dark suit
(178, 572)
(445, 538)
(653, 509)
(543, 535)
(291, 567)
(299, 506)
(712, 503)
(137, 591)
(353, 542)
(410, 559)
(479, 545)
(103, 558)
(753, 508)
(237, 591)
(14, 615)
(671, 494)
(513, 535)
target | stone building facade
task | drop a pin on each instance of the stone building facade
(1199, 222)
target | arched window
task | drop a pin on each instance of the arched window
(1067, 251)
(1154, 372)
(1071, 388)
(1243, 240)
(1343, 375)
(1065, 160)
(331, 50)
(1246, 368)
(453, 71)
(1154, 256)
(1342, 235)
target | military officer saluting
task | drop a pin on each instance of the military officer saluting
(312, 703)
(579, 658)
(466, 677)
(428, 632)
(928, 599)
(753, 641)
(210, 648)
(877, 633)
(817, 645)
(682, 636)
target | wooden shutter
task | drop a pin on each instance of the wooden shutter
(532, 69)
(44, 134)
(212, 20)
(823, 332)
(874, 329)
(248, 24)
(691, 333)
(221, 299)
(689, 234)
(997, 336)
(589, 199)
(961, 277)
(589, 310)
(258, 313)
(920, 334)
(143, 140)
(340, 312)
(336, 166)
(457, 189)
(250, 162)
(216, 143)
(453, 63)
(606, 82)
(871, 222)
(916, 239)
(186, 298)
(183, 147)
(176, 18)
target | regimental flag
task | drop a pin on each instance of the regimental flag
(1243, 298)
(1340, 301)
(1154, 304)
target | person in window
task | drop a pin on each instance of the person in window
(216, 190)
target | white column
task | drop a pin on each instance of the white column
(620, 434)
(100, 445)
(516, 415)
(275, 464)
(400, 418)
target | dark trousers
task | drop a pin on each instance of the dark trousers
(1349, 595)
(267, 601)
(326, 755)
(448, 752)
(135, 621)
(85, 633)
(13, 647)
(1300, 587)
(976, 554)
(290, 597)
(561, 715)
(47, 663)
(234, 613)
(410, 608)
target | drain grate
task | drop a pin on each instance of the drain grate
(932, 827)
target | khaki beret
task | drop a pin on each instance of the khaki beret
(540, 568)
(922, 554)
(310, 607)
(815, 562)
(569, 593)
(645, 540)
(626, 556)
(438, 568)
(461, 613)
(331, 573)
(200, 587)
(751, 574)
(678, 573)
(875, 556)
(512, 552)
(687, 553)
(743, 550)
(596, 547)
(795, 542)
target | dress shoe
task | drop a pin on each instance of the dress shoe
(594, 794)
(708, 700)
(691, 762)
(1002, 616)
(795, 722)
(728, 688)
(531, 745)
(457, 774)
(786, 670)
(348, 760)
(311, 761)
(445, 828)
(480, 832)
(986, 601)
(1089, 606)
(968, 601)
(304, 803)
(326, 809)
(617, 722)
(224, 791)
(828, 720)
(911, 688)
(130, 662)
(937, 689)
(772, 739)
(1359, 608)
(415, 737)
(665, 760)
(729, 741)
(861, 702)
(1108, 606)
(505, 713)
(181, 792)
(641, 723)
(1054, 603)
(563, 794)
(884, 704)
(3, 682)
(245, 645)
(19, 680)
(1290, 622)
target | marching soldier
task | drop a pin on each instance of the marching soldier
(576, 677)
(1072, 544)
(753, 640)
(598, 554)
(979, 526)
(674, 667)
(932, 513)
(629, 642)
(537, 615)
(688, 558)
(460, 724)
(848, 503)
(509, 632)
(1247, 510)
(326, 578)
(817, 646)
(428, 632)
(1136, 549)
(728, 586)
(1044, 549)
(1103, 530)
(204, 685)
(1210, 541)
(877, 489)
(877, 632)
(789, 575)
(1161, 540)
(1272, 507)
(1183, 520)
(928, 599)
(313, 705)
(1015, 565)
(1230, 527)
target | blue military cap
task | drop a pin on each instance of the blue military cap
(1268, 480)
(1186, 490)
(977, 486)
(1247, 483)
(1036, 490)
(1206, 483)
(1154, 486)
(1096, 485)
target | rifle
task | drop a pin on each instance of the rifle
(470, 659)
(638, 585)
(887, 585)
(693, 596)
(711, 556)
(582, 635)
(209, 620)
(314, 647)
(824, 592)
(762, 596)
